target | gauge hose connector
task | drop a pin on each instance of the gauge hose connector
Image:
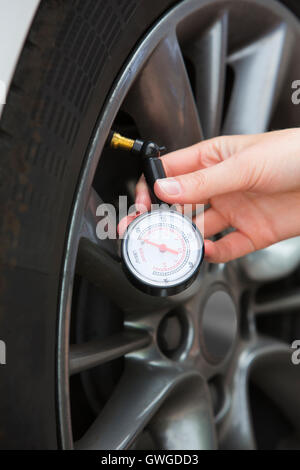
(149, 152)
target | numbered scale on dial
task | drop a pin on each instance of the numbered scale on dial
(162, 252)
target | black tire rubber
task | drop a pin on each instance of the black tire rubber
(72, 55)
(292, 5)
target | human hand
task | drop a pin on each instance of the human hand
(252, 184)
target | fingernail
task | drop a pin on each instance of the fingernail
(169, 186)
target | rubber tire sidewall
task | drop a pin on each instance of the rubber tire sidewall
(72, 55)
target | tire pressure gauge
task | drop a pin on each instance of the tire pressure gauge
(162, 250)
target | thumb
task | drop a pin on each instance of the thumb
(230, 175)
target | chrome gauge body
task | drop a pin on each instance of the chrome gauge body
(162, 252)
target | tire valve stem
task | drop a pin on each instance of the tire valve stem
(149, 152)
(117, 141)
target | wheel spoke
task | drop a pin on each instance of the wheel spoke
(106, 273)
(286, 303)
(279, 379)
(88, 355)
(91, 219)
(208, 56)
(236, 431)
(260, 70)
(138, 395)
(275, 262)
(161, 101)
(185, 420)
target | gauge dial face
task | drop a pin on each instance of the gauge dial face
(162, 248)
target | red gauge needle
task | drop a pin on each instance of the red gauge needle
(162, 247)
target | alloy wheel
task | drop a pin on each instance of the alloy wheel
(175, 373)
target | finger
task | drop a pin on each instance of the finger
(210, 222)
(205, 154)
(123, 224)
(142, 195)
(191, 210)
(232, 246)
(198, 156)
(228, 176)
(143, 199)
